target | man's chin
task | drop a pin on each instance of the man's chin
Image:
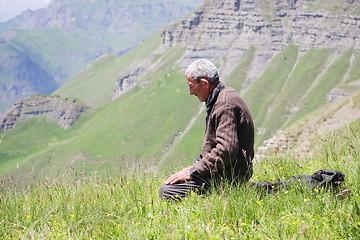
(199, 98)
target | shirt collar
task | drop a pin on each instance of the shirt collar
(213, 95)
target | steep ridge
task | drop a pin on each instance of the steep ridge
(63, 38)
(301, 137)
(228, 28)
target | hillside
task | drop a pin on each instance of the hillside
(20, 77)
(94, 141)
(291, 55)
(125, 204)
(58, 41)
(279, 66)
(305, 134)
(140, 111)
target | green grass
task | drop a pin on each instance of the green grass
(103, 137)
(293, 86)
(126, 204)
(309, 66)
(355, 69)
(268, 9)
(95, 85)
(13, 145)
(237, 79)
(187, 147)
(265, 90)
(335, 7)
(165, 109)
(316, 95)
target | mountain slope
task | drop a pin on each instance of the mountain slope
(66, 36)
(156, 124)
(95, 85)
(21, 76)
(305, 134)
(110, 135)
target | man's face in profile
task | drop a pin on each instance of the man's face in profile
(200, 89)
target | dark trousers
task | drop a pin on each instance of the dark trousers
(242, 168)
(181, 189)
(198, 185)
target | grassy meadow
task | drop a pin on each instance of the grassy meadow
(125, 203)
(100, 178)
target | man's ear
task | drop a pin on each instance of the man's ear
(206, 82)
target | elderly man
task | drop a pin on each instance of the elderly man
(227, 149)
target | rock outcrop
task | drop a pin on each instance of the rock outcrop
(125, 83)
(226, 29)
(64, 112)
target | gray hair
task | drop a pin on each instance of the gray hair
(202, 68)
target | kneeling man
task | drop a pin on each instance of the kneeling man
(228, 145)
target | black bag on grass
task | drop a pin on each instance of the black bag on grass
(321, 178)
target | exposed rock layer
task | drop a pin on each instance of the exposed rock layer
(64, 112)
(228, 28)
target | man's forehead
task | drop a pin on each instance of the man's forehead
(189, 79)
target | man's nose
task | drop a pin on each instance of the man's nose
(191, 91)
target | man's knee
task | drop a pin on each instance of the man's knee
(180, 190)
(167, 192)
(162, 191)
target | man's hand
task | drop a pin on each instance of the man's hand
(182, 175)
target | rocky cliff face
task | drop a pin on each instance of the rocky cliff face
(227, 28)
(64, 112)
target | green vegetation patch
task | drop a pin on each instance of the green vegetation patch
(266, 89)
(126, 205)
(354, 73)
(334, 7)
(237, 79)
(95, 85)
(29, 137)
(186, 146)
(317, 94)
(165, 108)
(303, 77)
(267, 9)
